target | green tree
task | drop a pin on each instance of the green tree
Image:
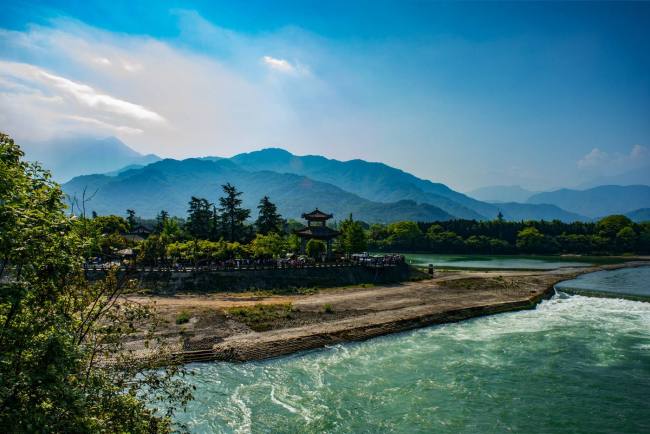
(644, 237)
(611, 225)
(293, 243)
(171, 229)
(626, 239)
(315, 248)
(215, 225)
(268, 220)
(199, 218)
(57, 332)
(406, 235)
(268, 246)
(233, 216)
(131, 219)
(444, 241)
(161, 219)
(110, 224)
(153, 250)
(530, 240)
(353, 238)
(293, 225)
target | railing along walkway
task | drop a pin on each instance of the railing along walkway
(214, 268)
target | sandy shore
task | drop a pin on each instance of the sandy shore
(331, 316)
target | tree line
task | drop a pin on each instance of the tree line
(214, 232)
(614, 234)
(219, 232)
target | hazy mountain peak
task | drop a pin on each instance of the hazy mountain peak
(501, 193)
(598, 201)
(67, 157)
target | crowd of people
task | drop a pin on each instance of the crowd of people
(293, 261)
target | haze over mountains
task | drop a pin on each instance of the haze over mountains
(591, 202)
(598, 201)
(501, 193)
(374, 192)
(169, 184)
(74, 156)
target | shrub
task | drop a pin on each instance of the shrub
(261, 317)
(183, 317)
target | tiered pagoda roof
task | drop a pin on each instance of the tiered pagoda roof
(317, 215)
(316, 227)
(318, 232)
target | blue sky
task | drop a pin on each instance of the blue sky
(469, 94)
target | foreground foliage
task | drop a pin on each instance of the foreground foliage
(63, 364)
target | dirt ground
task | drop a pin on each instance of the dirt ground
(207, 321)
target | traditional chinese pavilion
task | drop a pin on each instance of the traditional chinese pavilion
(316, 229)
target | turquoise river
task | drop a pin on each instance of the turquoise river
(574, 364)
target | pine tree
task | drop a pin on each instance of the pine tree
(199, 218)
(161, 219)
(232, 215)
(215, 226)
(131, 219)
(269, 220)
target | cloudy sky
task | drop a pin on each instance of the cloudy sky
(469, 94)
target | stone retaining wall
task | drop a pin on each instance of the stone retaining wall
(241, 280)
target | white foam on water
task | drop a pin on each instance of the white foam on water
(302, 412)
(245, 422)
(566, 349)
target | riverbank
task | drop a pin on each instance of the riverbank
(223, 326)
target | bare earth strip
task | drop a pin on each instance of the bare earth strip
(353, 313)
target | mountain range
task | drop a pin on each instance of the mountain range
(69, 157)
(639, 215)
(501, 194)
(598, 201)
(169, 184)
(382, 183)
(374, 192)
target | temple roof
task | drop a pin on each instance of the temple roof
(320, 232)
(140, 230)
(316, 215)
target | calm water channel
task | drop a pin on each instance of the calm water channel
(499, 262)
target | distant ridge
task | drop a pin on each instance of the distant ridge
(640, 176)
(69, 157)
(501, 193)
(373, 192)
(639, 215)
(382, 183)
(598, 201)
(169, 184)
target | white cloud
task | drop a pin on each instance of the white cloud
(217, 99)
(103, 125)
(90, 97)
(284, 66)
(102, 61)
(156, 96)
(31, 78)
(639, 153)
(278, 64)
(131, 66)
(616, 162)
(594, 158)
